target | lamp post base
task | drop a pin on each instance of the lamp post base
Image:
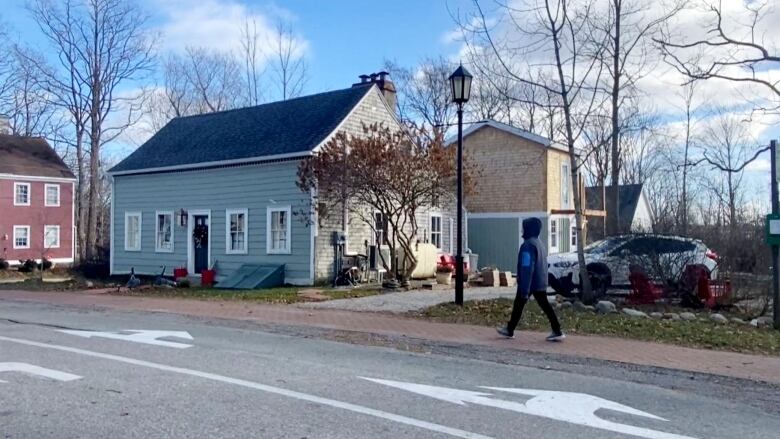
(459, 280)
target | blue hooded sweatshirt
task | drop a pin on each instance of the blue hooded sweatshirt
(532, 260)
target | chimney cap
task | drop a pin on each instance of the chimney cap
(363, 78)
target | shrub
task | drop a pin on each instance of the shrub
(27, 266)
(184, 283)
(4, 264)
(45, 265)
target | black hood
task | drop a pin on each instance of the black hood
(532, 227)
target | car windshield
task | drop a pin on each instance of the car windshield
(604, 246)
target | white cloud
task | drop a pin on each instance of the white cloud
(759, 165)
(217, 24)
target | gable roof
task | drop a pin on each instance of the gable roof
(527, 135)
(32, 157)
(628, 200)
(278, 129)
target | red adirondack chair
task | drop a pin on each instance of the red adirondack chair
(643, 290)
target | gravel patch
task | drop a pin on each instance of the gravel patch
(407, 301)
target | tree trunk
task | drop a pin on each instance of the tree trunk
(81, 211)
(613, 214)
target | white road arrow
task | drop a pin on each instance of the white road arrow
(138, 336)
(574, 408)
(37, 371)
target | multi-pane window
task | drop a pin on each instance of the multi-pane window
(133, 231)
(52, 195)
(573, 236)
(51, 237)
(436, 231)
(380, 228)
(279, 230)
(21, 194)
(237, 230)
(565, 186)
(164, 232)
(21, 236)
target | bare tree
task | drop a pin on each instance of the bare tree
(100, 45)
(629, 25)
(734, 50)
(214, 78)
(542, 44)
(287, 62)
(688, 95)
(424, 95)
(251, 52)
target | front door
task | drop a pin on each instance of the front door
(200, 242)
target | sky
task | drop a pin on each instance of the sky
(341, 39)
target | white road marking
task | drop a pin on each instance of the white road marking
(138, 336)
(261, 387)
(573, 408)
(31, 369)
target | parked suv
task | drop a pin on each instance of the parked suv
(661, 257)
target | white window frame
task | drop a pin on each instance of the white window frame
(439, 233)
(128, 215)
(46, 195)
(157, 247)
(379, 231)
(566, 186)
(554, 238)
(29, 237)
(573, 239)
(228, 238)
(29, 193)
(451, 235)
(268, 239)
(46, 233)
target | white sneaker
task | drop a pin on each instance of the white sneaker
(556, 337)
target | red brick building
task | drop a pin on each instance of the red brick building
(36, 202)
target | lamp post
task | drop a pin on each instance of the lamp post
(460, 82)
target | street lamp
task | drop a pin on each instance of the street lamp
(460, 81)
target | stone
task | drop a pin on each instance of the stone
(634, 313)
(566, 305)
(688, 316)
(738, 320)
(605, 307)
(89, 284)
(579, 306)
(763, 321)
(718, 318)
(672, 316)
(657, 315)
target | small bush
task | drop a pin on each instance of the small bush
(45, 265)
(4, 264)
(27, 266)
(184, 283)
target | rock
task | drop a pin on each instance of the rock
(590, 308)
(634, 313)
(738, 320)
(566, 305)
(672, 316)
(89, 284)
(688, 316)
(762, 322)
(657, 315)
(718, 318)
(579, 306)
(605, 307)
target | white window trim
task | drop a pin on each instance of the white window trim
(29, 237)
(554, 233)
(140, 229)
(29, 194)
(573, 237)
(440, 232)
(228, 250)
(57, 245)
(157, 247)
(46, 195)
(268, 244)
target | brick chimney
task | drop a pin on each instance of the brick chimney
(5, 124)
(386, 86)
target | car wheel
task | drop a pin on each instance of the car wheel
(600, 279)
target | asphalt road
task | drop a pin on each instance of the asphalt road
(244, 382)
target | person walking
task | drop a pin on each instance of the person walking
(532, 279)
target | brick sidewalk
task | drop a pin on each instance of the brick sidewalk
(753, 367)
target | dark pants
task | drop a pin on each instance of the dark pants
(544, 304)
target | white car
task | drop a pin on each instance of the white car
(661, 257)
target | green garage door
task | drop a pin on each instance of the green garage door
(496, 241)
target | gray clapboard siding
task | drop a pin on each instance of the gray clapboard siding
(253, 187)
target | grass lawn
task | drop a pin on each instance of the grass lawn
(700, 334)
(283, 295)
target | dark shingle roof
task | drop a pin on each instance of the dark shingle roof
(284, 127)
(628, 196)
(31, 156)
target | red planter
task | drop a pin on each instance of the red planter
(179, 273)
(207, 277)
